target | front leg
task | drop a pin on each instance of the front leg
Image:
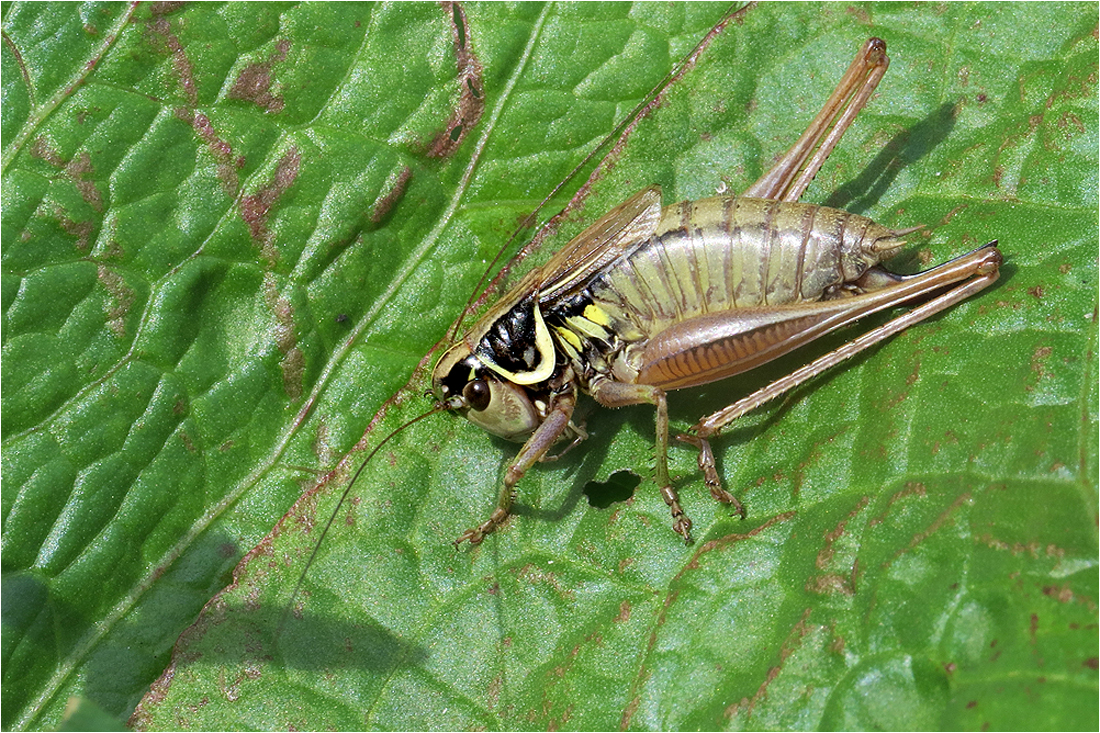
(548, 433)
(619, 394)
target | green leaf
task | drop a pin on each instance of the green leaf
(84, 715)
(232, 232)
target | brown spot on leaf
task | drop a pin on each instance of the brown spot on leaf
(321, 446)
(1062, 594)
(825, 556)
(28, 84)
(998, 175)
(121, 295)
(537, 575)
(392, 192)
(736, 537)
(221, 150)
(493, 692)
(860, 14)
(910, 380)
(945, 518)
(82, 230)
(950, 215)
(789, 646)
(286, 340)
(353, 506)
(161, 35)
(165, 8)
(912, 488)
(253, 83)
(1038, 363)
(256, 207)
(42, 149)
(293, 368)
(471, 101)
(830, 583)
(628, 712)
(1069, 119)
(78, 169)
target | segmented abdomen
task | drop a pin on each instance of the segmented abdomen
(724, 253)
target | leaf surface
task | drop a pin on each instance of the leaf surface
(232, 232)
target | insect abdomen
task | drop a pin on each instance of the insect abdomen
(728, 253)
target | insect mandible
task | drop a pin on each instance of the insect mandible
(650, 299)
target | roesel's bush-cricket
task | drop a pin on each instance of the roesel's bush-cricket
(650, 299)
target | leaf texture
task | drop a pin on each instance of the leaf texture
(231, 232)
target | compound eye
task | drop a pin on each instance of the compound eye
(477, 394)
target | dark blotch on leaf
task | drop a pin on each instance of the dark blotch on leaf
(460, 25)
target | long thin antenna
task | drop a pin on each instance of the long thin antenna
(438, 407)
(620, 129)
(675, 72)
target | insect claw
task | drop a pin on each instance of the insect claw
(683, 528)
(550, 458)
(681, 523)
(739, 508)
(473, 536)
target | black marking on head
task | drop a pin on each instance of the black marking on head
(461, 374)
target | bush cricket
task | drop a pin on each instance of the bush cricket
(650, 299)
